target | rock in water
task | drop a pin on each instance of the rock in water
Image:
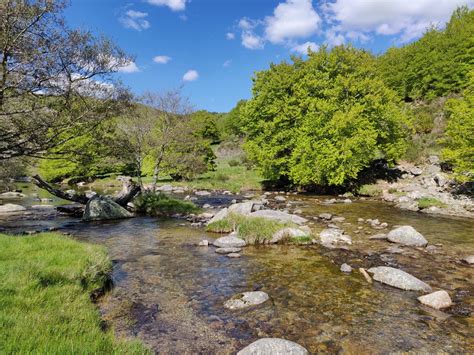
(11, 195)
(243, 208)
(279, 216)
(101, 208)
(436, 300)
(11, 208)
(219, 216)
(398, 278)
(246, 299)
(346, 268)
(231, 241)
(228, 250)
(468, 259)
(331, 237)
(287, 233)
(407, 235)
(273, 346)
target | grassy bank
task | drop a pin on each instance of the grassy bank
(45, 306)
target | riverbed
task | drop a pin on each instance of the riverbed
(169, 292)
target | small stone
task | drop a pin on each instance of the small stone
(280, 198)
(416, 171)
(331, 237)
(380, 236)
(436, 300)
(233, 255)
(202, 193)
(347, 200)
(468, 259)
(326, 216)
(407, 235)
(273, 346)
(360, 220)
(227, 250)
(204, 243)
(398, 278)
(206, 205)
(230, 241)
(338, 219)
(246, 299)
(346, 268)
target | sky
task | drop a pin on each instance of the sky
(212, 48)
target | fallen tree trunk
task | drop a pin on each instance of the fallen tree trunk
(128, 193)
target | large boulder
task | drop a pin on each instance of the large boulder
(243, 208)
(11, 195)
(279, 216)
(407, 235)
(11, 208)
(398, 278)
(246, 299)
(332, 237)
(287, 233)
(101, 208)
(231, 241)
(437, 300)
(273, 346)
(219, 216)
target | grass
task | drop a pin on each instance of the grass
(254, 230)
(369, 190)
(46, 283)
(427, 202)
(159, 204)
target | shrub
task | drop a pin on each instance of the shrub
(159, 204)
(427, 202)
(234, 162)
(369, 190)
(323, 120)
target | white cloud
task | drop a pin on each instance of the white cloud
(128, 68)
(247, 24)
(191, 75)
(135, 20)
(230, 36)
(334, 38)
(252, 41)
(406, 19)
(162, 59)
(303, 48)
(175, 5)
(227, 63)
(292, 19)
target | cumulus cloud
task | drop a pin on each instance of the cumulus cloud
(292, 19)
(252, 41)
(128, 68)
(303, 48)
(135, 20)
(406, 19)
(175, 5)
(230, 36)
(191, 75)
(162, 59)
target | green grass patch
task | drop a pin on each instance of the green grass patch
(369, 190)
(45, 307)
(254, 230)
(159, 204)
(300, 240)
(427, 202)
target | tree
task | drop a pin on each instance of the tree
(232, 121)
(321, 121)
(55, 82)
(459, 139)
(160, 130)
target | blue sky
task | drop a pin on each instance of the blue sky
(213, 47)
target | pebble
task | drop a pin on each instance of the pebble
(346, 268)
(437, 300)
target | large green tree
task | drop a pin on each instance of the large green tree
(321, 121)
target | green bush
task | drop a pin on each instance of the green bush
(159, 204)
(234, 162)
(45, 307)
(427, 202)
(323, 120)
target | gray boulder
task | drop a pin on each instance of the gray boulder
(468, 259)
(346, 268)
(280, 198)
(273, 346)
(101, 208)
(11, 195)
(279, 216)
(243, 208)
(219, 216)
(407, 235)
(11, 208)
(202, 193)
(331, 237)
(326, 216)
(231, 241)
(398, 278)
(437, 300)
(246, 299)
(287, 233)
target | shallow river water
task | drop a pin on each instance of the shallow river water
(170, 292)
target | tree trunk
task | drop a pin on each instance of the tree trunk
(129, 191)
